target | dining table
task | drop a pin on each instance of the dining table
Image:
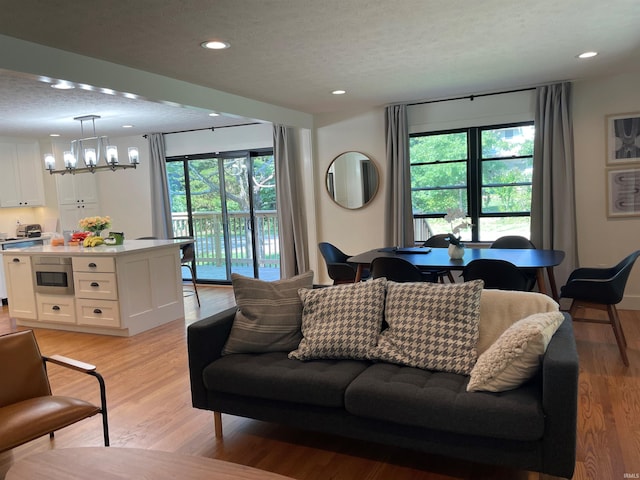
(427, 258)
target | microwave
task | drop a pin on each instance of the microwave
(53, 275)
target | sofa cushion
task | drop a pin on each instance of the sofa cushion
(431, 325)
(268, 316)
(274, 376)
(342, 321)
(515, 356)
(499, 309)
(439, 401)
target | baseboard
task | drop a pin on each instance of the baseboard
(629, 302)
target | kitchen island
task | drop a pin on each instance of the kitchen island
(109, 289)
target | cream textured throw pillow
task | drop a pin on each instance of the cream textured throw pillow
(499, 309)
(268, 315)
(431, 326)
(341, 321)
(515, 356)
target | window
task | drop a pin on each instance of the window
(484, 171)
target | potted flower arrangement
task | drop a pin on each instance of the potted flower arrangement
(458, 220)
(95, 225)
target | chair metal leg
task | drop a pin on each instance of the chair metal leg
(103, 406)
(193, 280)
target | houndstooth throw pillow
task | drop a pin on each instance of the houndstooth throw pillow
(431, 326)
(341, 321)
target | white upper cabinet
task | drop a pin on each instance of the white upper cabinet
(76, 189)
(21, 183)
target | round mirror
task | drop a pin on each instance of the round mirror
(352, 180)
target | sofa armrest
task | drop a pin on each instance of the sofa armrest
(560, 400)
(205, 340)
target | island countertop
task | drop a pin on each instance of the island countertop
(128, 247)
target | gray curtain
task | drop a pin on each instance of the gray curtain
(160, 205)
(553, 211)
(291, 227)
(398, 223)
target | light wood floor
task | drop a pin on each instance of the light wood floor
(150, 407)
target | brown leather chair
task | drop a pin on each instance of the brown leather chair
(28, 409)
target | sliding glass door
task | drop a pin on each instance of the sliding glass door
(227, 202)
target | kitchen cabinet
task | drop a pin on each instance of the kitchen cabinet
(70, 215)
(21, 183)
(77, 198)
(20, 287)
(56, 308)
(117, 290)
(96, 290)
(76, 189)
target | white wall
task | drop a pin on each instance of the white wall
(602, 241)
(352, 231)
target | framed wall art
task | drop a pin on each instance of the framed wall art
(623, 191)
(623, 138)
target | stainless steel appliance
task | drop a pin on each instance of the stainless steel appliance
(29, 230)
(53, 275)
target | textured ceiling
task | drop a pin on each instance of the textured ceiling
(293, 53)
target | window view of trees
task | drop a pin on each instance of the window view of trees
(227, 202)
(484, 171)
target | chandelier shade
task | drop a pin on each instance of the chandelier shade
(86, 154)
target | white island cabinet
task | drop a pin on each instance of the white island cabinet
(117, 290)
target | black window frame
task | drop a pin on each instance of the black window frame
(474, 162)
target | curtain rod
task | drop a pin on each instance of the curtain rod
(207, 128)
(471, 97)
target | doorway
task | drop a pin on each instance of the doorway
(227, 203)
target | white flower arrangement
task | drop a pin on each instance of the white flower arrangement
(458, 220)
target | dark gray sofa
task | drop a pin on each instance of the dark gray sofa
(532, 427)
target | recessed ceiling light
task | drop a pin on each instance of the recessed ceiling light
(214, 114)
(63, 85)
(215, 45)
(127, 126)
(587, 54)
(54, 134)
(339, 92)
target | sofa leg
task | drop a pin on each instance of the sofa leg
(217, 423)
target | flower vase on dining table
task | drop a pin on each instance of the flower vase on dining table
(456, 252)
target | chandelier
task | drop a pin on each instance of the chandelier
(89, 151)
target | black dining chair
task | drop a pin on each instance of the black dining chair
(517, 241)
(398, 269)
(340, 271)
(188, 256)
(498, 274)
(601, 289)
(440, 241)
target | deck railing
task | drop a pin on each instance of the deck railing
(208, 232)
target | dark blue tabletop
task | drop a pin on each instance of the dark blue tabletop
(439, 257)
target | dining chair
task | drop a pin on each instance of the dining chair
(440, 241)
(601, 289)
(28, 409)
(498, 274)
(188, 256)
(517, 241)
(398, 269)
(339, 270)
